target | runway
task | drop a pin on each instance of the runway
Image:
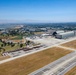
(58, 67)
(46, 46)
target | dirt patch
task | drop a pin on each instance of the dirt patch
(71, 44)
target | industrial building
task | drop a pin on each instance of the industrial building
(57, 32)
(65, 35)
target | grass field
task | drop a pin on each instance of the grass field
(8, 48)
(71, 72)
(30, 63)
(71, 44)
(17, 37)
(2, 57)
(6, 37)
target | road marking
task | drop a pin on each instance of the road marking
(66, 48)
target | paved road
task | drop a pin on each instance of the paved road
(58, 67)
(67, 48)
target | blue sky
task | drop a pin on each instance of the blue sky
(38, 10)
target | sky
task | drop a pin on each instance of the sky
(37, 11)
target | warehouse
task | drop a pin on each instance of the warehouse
(75, 32)
(57, 32)
(65, 35)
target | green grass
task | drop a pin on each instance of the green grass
(9, 48)
(0, 43)
(17, 37)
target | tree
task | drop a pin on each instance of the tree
(21, 45)
(12, 45)
(2, 50)
(27, 42)
(9, 43)
(0, 40)
(2, 45)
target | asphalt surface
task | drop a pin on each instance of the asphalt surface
(58, 67)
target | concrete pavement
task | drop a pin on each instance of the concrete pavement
(58, 67)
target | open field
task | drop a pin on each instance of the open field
(30, 63)
(6, 37)
(38, 33)
(16, 38)
(13, 38)
(71, 44)
(2, 57)
(71, 72)
(8, 48)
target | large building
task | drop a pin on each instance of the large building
(65, 35)
(57, 32)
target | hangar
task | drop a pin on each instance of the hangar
(65, 35)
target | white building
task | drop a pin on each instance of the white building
(65, 35)
(60, 31)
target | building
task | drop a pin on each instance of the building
(75, 32)
(43, 35)
(57, 32)
(43, 29)
(65, 35)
